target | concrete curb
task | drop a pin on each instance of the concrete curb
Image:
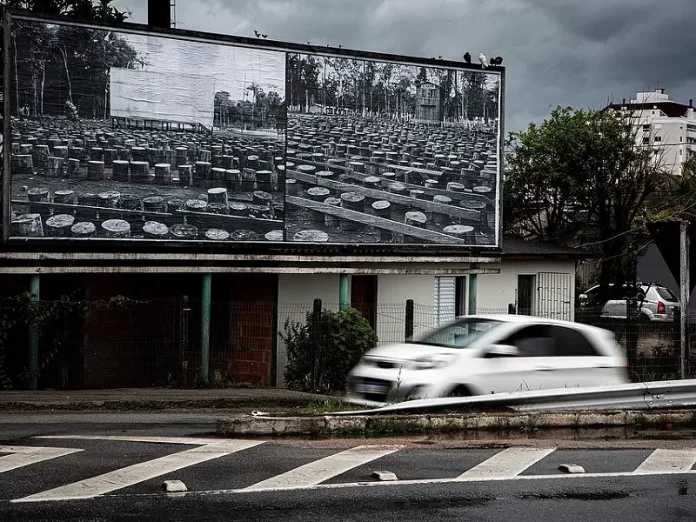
(469, 423)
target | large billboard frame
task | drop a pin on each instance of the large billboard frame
(369, 250)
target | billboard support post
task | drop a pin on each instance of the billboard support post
(206, 292)
(343, 301)
(34, 337)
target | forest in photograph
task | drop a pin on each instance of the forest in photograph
(385, 152)
(137, 136)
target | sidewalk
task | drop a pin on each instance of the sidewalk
(144, 399)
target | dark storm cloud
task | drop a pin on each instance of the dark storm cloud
(576, 53)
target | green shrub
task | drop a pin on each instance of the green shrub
(322, 350)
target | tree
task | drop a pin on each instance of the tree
(580, 178)
(82, 55)
(97, 10)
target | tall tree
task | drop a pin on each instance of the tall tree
(580, 178)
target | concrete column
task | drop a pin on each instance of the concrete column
(343, 296)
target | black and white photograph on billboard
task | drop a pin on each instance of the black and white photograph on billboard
(383, 152)
(139, 136)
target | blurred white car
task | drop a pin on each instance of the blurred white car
(477, 355)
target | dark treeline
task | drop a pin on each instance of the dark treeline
(258, 110)
(64, 71)
(386, 88)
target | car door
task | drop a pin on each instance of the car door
(530, 370)
(576, 361)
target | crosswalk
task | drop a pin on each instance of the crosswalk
(241, 463)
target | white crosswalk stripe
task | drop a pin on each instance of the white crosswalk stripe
(108, 482)
(21, 456)
(323, 469)
(668, 461)
(507, 464)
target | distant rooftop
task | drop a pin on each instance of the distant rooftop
(657, 99)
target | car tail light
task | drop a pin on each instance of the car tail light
(660, 307)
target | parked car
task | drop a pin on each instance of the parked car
(489, 354)
(656, 303)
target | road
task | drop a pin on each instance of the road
(107, 467)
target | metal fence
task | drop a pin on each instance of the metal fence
(159, 342)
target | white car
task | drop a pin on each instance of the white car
(477, 355)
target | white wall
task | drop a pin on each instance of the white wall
(296, 295)
(392, 293)
(495, 292)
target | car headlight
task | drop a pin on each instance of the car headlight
(430, 362)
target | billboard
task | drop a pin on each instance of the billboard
(120, 134)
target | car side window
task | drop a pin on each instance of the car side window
(570, 342)
(532, 341)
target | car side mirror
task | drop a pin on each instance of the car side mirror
(501, 350)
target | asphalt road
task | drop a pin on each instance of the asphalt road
(118, 463)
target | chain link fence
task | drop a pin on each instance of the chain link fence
(128, 343)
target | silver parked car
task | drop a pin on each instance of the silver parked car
(659, 304)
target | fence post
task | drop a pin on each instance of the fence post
(206, 292)
(184, 332)
(409, 319)
(316, 341)
(34, 287)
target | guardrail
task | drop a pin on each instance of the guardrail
(641, 396)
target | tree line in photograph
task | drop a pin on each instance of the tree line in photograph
(64, 71)
(386, 88)
(258, 110)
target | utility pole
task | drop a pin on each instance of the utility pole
(685, 287)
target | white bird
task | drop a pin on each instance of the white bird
(482, 59)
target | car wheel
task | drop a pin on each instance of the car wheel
(460, 391)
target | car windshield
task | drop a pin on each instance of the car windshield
(460, 334)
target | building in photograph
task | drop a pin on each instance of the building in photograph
(663, 124)
(428, 102)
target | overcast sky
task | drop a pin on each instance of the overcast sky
(557, 52)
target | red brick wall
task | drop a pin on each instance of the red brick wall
(252, 327)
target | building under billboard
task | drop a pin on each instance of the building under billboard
(229, 180)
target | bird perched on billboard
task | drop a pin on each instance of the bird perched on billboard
(467, 57)
(498, 60)
(483, 60)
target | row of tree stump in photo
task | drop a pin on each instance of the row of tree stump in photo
(64, 213)
(162, 158)
(444, 182)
